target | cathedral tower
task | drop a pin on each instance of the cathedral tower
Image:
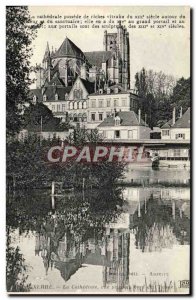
(118, 43)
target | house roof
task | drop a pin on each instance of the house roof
(90, 86)
(69, 49)
(112, 90)
(167, 124)
(51, 91)
(37, 93)
(128, 118)
(184, 121)
(97, 57)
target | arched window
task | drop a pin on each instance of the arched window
(44, 98)
(84, 104)
(56, 97)
(70, 105)
(78, 94)
(75, 105)
(80, 104)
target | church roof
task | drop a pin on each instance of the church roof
(54, 70)
(68, 268)
(57, 81)
(97, 57)
(69, 49)
(128, 118)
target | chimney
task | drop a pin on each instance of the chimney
(181, 112)
(139, 115)
(174, 116)
(145, 119)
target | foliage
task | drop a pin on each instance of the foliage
(19, 36)
(30, 211)
(155, 230)
(39, 117)
(15, 269)
(160, 93)
(182, 94)
(28, 165)
(79, 136)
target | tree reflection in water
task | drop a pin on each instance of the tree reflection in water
(160, 225)
(61, 233)
(78, 230)
(16, 268)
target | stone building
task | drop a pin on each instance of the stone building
(86, 87)
(109, 66)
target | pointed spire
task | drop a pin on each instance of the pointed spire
(52, 52)
(47, 53)
(47, 48)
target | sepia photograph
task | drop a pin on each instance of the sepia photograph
(98, 150)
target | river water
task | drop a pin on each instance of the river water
(134, 239)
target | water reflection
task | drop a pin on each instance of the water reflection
(76, 232)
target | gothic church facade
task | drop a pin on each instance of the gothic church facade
(67, 77)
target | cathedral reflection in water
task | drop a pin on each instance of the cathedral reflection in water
(150, 222)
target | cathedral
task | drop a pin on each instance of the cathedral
(87, 87)
(108, 67)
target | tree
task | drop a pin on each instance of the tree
(19, 36)
(145, 89)
(140, 83)
(182, 94)
(155, 89)
(39, 115)
(150, 110)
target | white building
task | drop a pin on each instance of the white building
(106, 101)
(177, 130)
(124, 125)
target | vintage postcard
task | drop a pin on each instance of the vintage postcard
(98, 103)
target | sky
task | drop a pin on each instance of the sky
(166, 50)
